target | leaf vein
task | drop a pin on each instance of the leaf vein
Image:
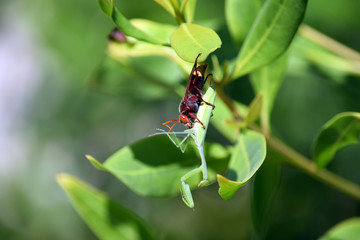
(263, 39)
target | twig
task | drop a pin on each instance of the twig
(297, 160)
(329, 43)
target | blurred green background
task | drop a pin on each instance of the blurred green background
(55, 108)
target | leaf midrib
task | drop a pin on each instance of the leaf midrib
(262, 40)
(335, 146)
(184, 26)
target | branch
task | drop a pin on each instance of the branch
(297, 160)
(329, 43)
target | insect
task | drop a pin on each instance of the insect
(198, 134)
(189, 105)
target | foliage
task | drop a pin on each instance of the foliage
(269, 34)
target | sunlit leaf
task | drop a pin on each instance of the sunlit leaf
(190, 39)
(189, 11)
(267, 80)
(171, 6)
(158, 31)
(271, 34)
(346, 230)
(264, 189)
(95, 163)
(340, 131)
(240, 15)
(106, 218)
(124, 24)
(153, 166)
(247, 156)
(121, 52)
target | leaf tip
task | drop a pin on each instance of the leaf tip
(227, 187)
(63, 179)
(107, 6)
(95, 163)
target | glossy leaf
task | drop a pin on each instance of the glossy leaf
(247, 156)
(190, 39)
(271, 34)
(263, 192)
(240, 15)
(106, 218)
(341, 131)
(346, 230)
(267, 80)
(124, 24)
(153, 166)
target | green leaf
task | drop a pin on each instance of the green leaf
(271, 34)
(159, 31)
(124, 24)
(267, 80)
(222, 115)
(171, 6)
(121, 52)
(247, 156)
(264, 189)
(190, 39)
(189, 12)
(346, 230)
(153, 166)
(95, 163)
(107, 219)
(107, 6)
(255, 109)
(240, 15)
(340, 131)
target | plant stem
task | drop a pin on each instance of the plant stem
(297, 160)
(329, 43)
(228, 102)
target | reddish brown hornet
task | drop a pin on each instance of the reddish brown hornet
(192, 99)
